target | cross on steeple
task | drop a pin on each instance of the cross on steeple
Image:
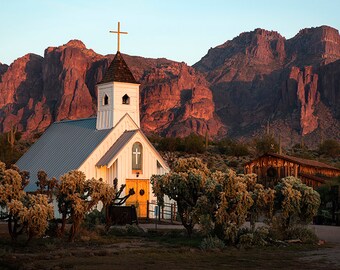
(118, 33)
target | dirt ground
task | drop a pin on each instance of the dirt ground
(91, 251)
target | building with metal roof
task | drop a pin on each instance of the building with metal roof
(271, 167)
(110, 146)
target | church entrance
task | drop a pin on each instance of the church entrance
(141, 196)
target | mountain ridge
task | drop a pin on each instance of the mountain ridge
(234, 90)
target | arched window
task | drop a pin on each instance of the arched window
(106, 100)
(126, 99)
(137, 156)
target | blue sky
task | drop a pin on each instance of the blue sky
(178, 30)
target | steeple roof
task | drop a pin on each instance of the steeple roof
(118, 71)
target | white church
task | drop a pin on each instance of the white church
(111, 145)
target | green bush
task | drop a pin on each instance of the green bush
(330, 148)
(232, 148)
(211, 243)
(266, 144)
(194, 144)
(246, 240)
(233, 163)
(170, 144)
(94, 218)
(134, 230)
(191, 144)
(261, 235)
(305, 234)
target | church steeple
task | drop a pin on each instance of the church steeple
(118, 71)
(118, 93)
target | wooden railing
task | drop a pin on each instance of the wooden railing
(167, 212)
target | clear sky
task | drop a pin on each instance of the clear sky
(180, 30)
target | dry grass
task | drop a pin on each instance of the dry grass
(165, 251)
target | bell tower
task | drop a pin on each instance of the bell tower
(118, 92)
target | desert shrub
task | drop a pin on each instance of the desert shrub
(248, 237)
(184, 185)
(234, 202)
(170, 144)
(94, 218)
(266, 144)
(246, 240)
(295, 202)
(212, 243)
(330, 148)
(77, 196)
(134, 230)
(206, 224)
(116, 231)
(261, 235)
(303, 233)
(25, 212)
(232, 148)
(277, 228)
(233, 163)
(191, 144)
(194, 144)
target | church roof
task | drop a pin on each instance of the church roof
(114, 150)
(118, 71)
(63, 147)
(116, 147)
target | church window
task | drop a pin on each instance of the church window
(137, 156)
(126, 99)
(106, 100)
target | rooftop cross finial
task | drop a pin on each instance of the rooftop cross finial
(118, 33)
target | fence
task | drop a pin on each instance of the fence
(167, 212)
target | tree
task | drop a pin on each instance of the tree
(295, 202)
(25, 212)
(233, 205)
(46, 186)
(232, 148)
(218, 201)
(33, 211)
(184, 185)
(194, 144)
(76, 196)
(266, 144)
(263, 200)
(330, 148)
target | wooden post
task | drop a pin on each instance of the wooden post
(295, 170)
(171, 213)
(147, 210)
(175, 213)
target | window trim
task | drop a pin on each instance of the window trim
(105, 100)
(126, 99)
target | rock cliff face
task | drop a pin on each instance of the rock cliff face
(36, 91)
(3, 69)
(235, 90)
(260, 77)
(301, 94)
(176, 101)
(20, 90)
(314, 46)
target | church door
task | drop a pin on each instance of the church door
(141, 196)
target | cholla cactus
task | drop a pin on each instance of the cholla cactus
(11, 136)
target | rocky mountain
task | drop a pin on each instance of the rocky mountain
(36, 91)
(236, 89)
(260, 77)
